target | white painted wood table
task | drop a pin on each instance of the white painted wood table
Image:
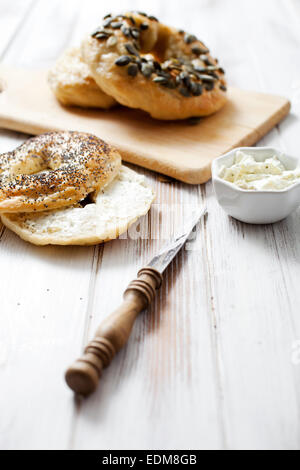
(215, 363)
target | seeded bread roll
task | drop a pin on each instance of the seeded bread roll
(73, 84)
(116, 207)
(55, 170)
(147, 65)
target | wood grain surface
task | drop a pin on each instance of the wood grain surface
(176, 149)
(215, 363)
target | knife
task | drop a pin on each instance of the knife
(113, 333)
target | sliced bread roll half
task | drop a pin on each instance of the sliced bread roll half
(73, 84)
(115, 209)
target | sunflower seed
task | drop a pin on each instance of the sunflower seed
(132, 20)
(223, 87)
(221, 70)
(184, 92)
(156, 65)
(181, 31)
(153, 18)
(132, 70)
(112, 41)
(131, 49)
(123, 60)
(142, 13)
(107, 16)
(144, 26)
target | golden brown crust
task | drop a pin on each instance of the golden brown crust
(55, 170)
(115, 209)
(73, 84)
(161, 70)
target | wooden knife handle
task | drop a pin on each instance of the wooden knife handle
(113, 333)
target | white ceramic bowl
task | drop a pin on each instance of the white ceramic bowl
(256, 207)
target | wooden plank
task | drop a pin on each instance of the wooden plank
(166, 375)
(12, 15)
(47, 299)
(176, 149)
(210, 365)
(253, 271)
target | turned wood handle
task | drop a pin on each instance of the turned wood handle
(113, 333)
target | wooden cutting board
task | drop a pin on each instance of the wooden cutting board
(177, 149)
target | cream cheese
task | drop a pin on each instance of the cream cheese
(268, 175)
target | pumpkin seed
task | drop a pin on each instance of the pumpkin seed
(107, 22)
(169, 84)
(123, 60)
(209, 86)
(132, 70)
(184, 92)
(198, 50)
(135, 33)
(212, 68)
(101, 36)
(131, 49)
(116, 25)
(164, 74)
(207, 78)
(206, 60)
(126, 31)
(196, 89)
(147, 70)
(178, 80)
(189, 38)
(160, 80)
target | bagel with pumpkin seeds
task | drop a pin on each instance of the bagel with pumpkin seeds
(55, 170)
(145, 64)
(73, 84)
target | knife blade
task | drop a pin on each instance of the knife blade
(161, 261)
(113, 333)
